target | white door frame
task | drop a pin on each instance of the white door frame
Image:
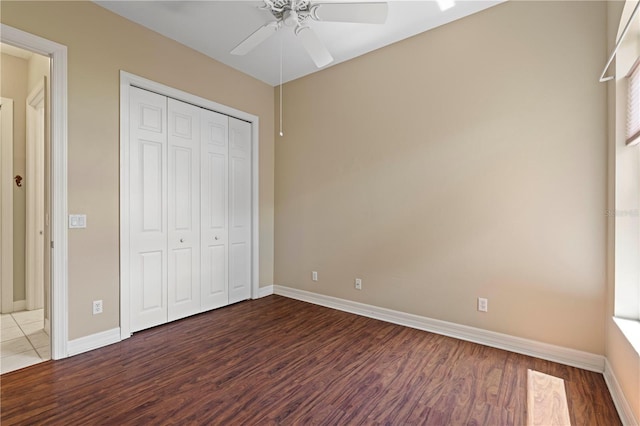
(34, 241)
(59, 253)
(6, 200)
(126, 81)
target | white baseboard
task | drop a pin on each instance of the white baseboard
(19, 305)
(559, 354)
(265, 291)
(624, 409)
(109, 337)
(93, 341)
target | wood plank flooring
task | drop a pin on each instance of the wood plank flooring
(280, 361)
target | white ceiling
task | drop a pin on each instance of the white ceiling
(216, 27)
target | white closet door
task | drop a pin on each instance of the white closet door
(184, 210)
(214, 208)
(148, 198)
(239, 210)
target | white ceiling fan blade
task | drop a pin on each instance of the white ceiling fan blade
(251, 42)
(362, 13)
(314, 46)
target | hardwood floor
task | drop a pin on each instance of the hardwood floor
(280, 361)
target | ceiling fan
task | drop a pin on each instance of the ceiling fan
(298, 13)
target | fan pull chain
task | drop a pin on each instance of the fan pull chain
(281, 37)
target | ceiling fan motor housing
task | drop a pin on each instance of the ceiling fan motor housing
(290, 12)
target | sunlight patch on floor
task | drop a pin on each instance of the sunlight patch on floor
(546, 400)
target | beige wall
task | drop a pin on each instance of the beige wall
(100, 44)
(14, 86)
(467, 161)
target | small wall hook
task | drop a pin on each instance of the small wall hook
(18, 180)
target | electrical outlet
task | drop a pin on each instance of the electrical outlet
(314, 275)
(483, 304)
(97, 307)
(358, 284)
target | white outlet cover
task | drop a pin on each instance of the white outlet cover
(483, 304)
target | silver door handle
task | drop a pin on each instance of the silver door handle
(182, 240)
(216, 237)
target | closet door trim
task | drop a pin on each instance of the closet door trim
(128, 80)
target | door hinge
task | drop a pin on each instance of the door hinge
(51, 244)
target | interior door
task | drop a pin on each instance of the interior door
(184, 210)
(148, 204)
(34, 241)
(239, 210)
(214, 208)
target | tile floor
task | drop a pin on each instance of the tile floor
(23, 341)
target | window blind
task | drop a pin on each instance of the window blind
(633, 106)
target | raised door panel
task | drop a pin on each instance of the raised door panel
(148, 219)
(239, 210)
(151, 270)
(184, 209)
(214, 208)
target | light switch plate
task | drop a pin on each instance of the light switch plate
(77, 221)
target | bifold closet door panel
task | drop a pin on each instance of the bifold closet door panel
(239, 210)
(190, 218)
(183, 209)
(214, 210)
(148, 204)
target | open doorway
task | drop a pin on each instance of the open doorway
(26, 275)
(59, 317)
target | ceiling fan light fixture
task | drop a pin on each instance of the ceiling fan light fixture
(290, 18)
